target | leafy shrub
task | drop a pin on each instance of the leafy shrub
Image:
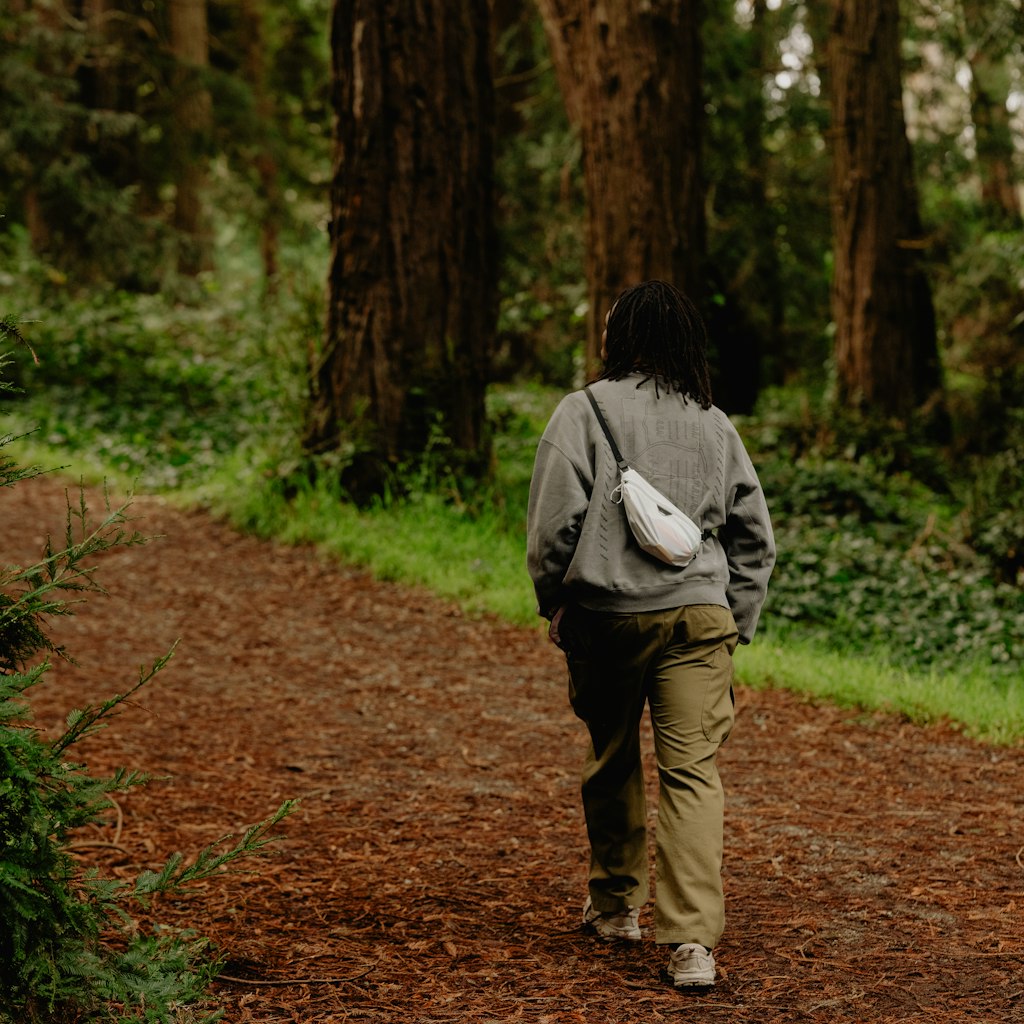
(874, 560)
(993, 512)
(159, 392)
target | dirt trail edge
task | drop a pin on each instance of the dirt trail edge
(435, 868)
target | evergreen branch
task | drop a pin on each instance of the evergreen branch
(62, 569)
(10, 331)
(68, 942)
(87, 720)
(12, 687)
(59, 572)
(10, 471)
(209, 861)
(88, 911)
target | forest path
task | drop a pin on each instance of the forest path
(435, 867)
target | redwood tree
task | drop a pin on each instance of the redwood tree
(630, 73)
(885, 344)
(412, 284)
(191, 117)
(992, 31)
(254, 63)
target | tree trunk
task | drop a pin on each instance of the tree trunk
(100, 85)
(254, 64)
(745, 322)
(885, 345)
(630, 72)
(992, 28)
(412, 285)
(191, 127)
(37, 220)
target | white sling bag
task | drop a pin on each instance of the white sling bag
(661, 529)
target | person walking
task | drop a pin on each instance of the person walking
(639, 632)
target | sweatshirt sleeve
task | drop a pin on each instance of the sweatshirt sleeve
(747, 538)
(559, 497)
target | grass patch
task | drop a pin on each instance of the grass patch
(423, 541)
(969, 699)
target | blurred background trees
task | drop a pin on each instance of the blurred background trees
(133, 129)
(309, 251)
(839, 184)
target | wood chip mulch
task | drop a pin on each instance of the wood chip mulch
(435, 867)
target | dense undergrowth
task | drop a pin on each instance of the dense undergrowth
(897, 565)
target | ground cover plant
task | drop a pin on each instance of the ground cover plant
(879, 555)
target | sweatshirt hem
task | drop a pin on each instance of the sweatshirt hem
(673, 595)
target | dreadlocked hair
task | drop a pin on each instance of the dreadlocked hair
(653, 328)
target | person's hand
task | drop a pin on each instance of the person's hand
(553, 634)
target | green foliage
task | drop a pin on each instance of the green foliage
(69, 945)
(872, 559)
(981, 302)
(10, 471)
(992, 513)
(62, 154)
(88, 150)
(852, 572)
(162, 393)
(291, 120)
(767, 173)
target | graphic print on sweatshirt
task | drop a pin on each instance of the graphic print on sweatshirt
(663, 442)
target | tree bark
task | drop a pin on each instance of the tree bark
(191, 125)
(100, 87)
(412, 284)
(992, 28)
(885, 344)
(254, 63)
(630, 73)
(37, 220)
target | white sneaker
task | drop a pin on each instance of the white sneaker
(691, 964)
(622, 924)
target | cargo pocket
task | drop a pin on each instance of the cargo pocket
(719, 711)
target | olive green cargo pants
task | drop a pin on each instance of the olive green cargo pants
(679, 661)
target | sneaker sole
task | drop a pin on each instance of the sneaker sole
(597, 925)
(613, 936)
(693, 983)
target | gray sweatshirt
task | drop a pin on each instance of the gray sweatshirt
(579, 545)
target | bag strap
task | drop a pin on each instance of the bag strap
(620, 461)
(617, 455)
